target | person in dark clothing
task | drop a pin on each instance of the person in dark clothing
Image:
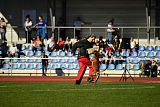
(83, 57)
(44, 63)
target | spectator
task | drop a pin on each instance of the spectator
(74, 41)
(2, 61)
(68, 44)
(116, 45)
(41, 23)
(132, 44)
(60, 43)
(4, 49)
(153, 68)
(101, 57)
(110, 30)
(100, 43)
(37, 44)
(3, 26)
(13, 51)
(117, 58)
(28, 29)
(61, 23)
(51, 44)
(109, 58)
(78, 23)
(44, 64)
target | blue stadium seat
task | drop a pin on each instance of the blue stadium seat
(141, 61)
(54, 60)
(14, 60)
(149, 48)
(53, 54)
(47, 53)
(111, 67)
(44, 48)
(48, 67)
(135, 67)
(22, 60)
(38, 54)
(76, 61)
(77, 67)
(157, 55)
(150, 54)
(61, 54)
(70, 61)
(141, 48)
(133, 54)
(30, 60)
(54, 66)
(76, 53)
(14, 66)
(102, 67)
(157, 48)
(23, 47)
(38, 66)
(8, 60)
(38, 60)
(119, 67)
(6, 66)
(29, 48)
(63, 66)
(30, 54)
(128, 67)
(62, 61)
(70, 67)
(142, 55)
(69, 54)
(134, 61)
(22, 66)
(30, 66)
(125, 54)
(22, 53)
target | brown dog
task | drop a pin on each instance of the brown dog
(95, 66)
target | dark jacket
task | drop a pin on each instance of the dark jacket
(83, 45)
(45, 61)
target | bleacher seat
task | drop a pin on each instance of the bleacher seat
(102, 67)
(128, 67)
(61, 54)
(30, 66)
(22, 66)
(70, 67)
(53, 54)
(54, 66)
(150, 54)
(38, 60)
(149, 48)
(30, 60)
(111, 67)
(70, 61)
(133, 54)
(14, 60)
(38, 66)
(157, 48)
(141, 48)
(29, 48)
(141, 61)
(119, 67)
(76, 53)
(157, 55)
(48, 67)
(69, 54)
(47, 53)
(134, 61)
(6, 66)
(135, 67)
(38, 54)
(22, 60)
(8, 60)
(22, 53)
(77, 67)
(125, 54)
(63, 66)
(14, 66)
(54, 60)
(142, 55)
(44, 48)
(30, 54)
(62, 60)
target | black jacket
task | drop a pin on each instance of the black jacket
(82, 47)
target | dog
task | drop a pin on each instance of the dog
(95, 66)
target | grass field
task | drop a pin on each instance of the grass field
(66, 94)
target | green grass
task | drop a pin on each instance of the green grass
(66, 94)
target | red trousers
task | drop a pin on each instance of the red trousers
(83, 64)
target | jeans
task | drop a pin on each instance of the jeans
(44, 67)
(110, 37)
(3, 37)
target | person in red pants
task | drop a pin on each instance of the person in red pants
(83, 56)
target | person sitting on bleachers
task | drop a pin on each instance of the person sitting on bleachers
(60, 43)
(51, 44)
(13, 51)
(109, 57)
(116, 44)
(37, 44)
(117, 58)
(101, 57)
(68, 44)
(100, 43)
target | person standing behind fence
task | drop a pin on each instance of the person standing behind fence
(28, 29)
(44, 64)
(3, 26)
(41, 31)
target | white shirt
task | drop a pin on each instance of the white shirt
(28, 24)
(78, 24)
(13, 49)
(132, 44)
(50, 43)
